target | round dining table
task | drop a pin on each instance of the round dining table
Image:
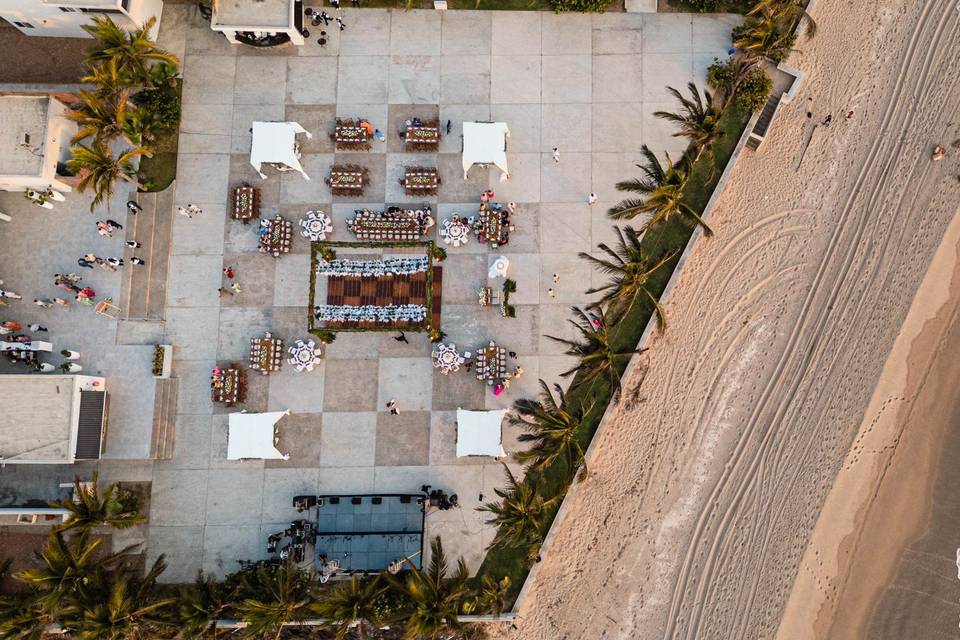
(315, 225)
(455, 231)
(305, 355)
(447, 358)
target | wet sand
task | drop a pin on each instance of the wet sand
(882, 563)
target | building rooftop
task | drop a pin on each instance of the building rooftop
(37, 420)
(86, 4)
(22, 115)
(253, 13)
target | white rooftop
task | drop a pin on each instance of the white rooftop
(20, 115)
(36, 423)
(253, 13)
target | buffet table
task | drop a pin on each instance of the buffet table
(347, 180)
(492, 225)
(401, 224)
(266, 354)
(226, 386)
(491, 363)
(352, 135)
(422, 137)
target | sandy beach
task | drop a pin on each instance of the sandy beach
(706, 485)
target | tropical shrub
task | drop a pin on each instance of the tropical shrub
(722, 75)
(159, 110)
(703, 6)
(753, 90)
(580, 6)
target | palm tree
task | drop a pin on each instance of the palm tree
(199, 606)
(552, 428)
(133, 52)
(352, 605)
(105, 77)
(662, 188)
(99, 169)
(434, 600)
(21, 618)
(276, 596)
(519, 514)
(493, 595)
(126, 608)
(787, 11)
(699, 120)
(763, 36)
(65, 570)
(104, 117)
(599, 359)
(90, 508)
(630, 270)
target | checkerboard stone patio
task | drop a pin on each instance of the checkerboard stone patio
(586, 84)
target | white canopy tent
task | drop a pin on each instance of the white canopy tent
(485, 143)
(479, 433)
(275, 142)
(253, 435)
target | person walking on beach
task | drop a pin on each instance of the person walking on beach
(133, 208)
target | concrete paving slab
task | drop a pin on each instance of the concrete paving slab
(525, 237)
(396, 122)
(193, 332)
(571, 285)
(453, 188)
(667, 33)
(208, 79)
(233, 495)
(367, 33)
(363, 78)
(220, 434)
(193, 280)
(295, 189)
(225, 545)
(279, 488)
(318, 119)
(516, 33)
(244, 115)
(615, 126)
(254, 273)
(464, 79)
(202, 178)
(210, 119)
(565, 227)
(567, 78)
(414, 79)
(185, 557)
(525, 271)
(260, 80)
(400, 479)
(524, 121)
(300, 439)
(457, 114)
(201, 234)
(567, 180)
(395, 170)
(566, 33)
(298, 391)
(376, 166)
(237, 326)
(566, 126)
(350, 384)
(348, 439)
(661, 70)
(178, 496)
(345, 480)
(617, 33)
(470, 273)
(524, 182)
(711, 33)
(191, 447)
(292, 280)
(457, 390)
(515, 79)
(443, 434)
(617, 78)
(408, 380)
(311, 81)
(658, 133)
(415, 32)
(466, 32)
(403, 440)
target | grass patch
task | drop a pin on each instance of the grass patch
(670, 236)
(158, 171)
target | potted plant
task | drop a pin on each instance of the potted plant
(326, 337)
(162, 360)
(436, 335)
(328, 254)
(439, 254)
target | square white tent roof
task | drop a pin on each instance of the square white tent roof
(479, 433)
(253, 435)
(275, 142)
(485, 143)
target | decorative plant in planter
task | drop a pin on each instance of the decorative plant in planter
(328, 254)
(326, 337)
(507, 310)
(437, 335)
(439, 253)
(157, 360)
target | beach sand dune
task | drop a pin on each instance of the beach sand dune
(709, 478)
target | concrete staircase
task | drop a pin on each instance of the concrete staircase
(164, 419)
(143, 292)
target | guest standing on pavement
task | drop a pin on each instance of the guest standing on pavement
(340, 23)
(133, 208)
(133, 244)
(114, 225)
(556, 154)
(44, 303)
(115, 262)
(104, 229)
(392, 407)
(136, 260)
(36, 328)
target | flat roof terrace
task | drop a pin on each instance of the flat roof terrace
(252, 13)
(22, 115)
(37, 418)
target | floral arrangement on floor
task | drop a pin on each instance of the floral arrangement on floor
(157, 360)
(371, 313)
(371, 268)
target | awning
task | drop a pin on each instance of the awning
(479, 433)
(253, 435)
(274, 142)
(485, 143)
